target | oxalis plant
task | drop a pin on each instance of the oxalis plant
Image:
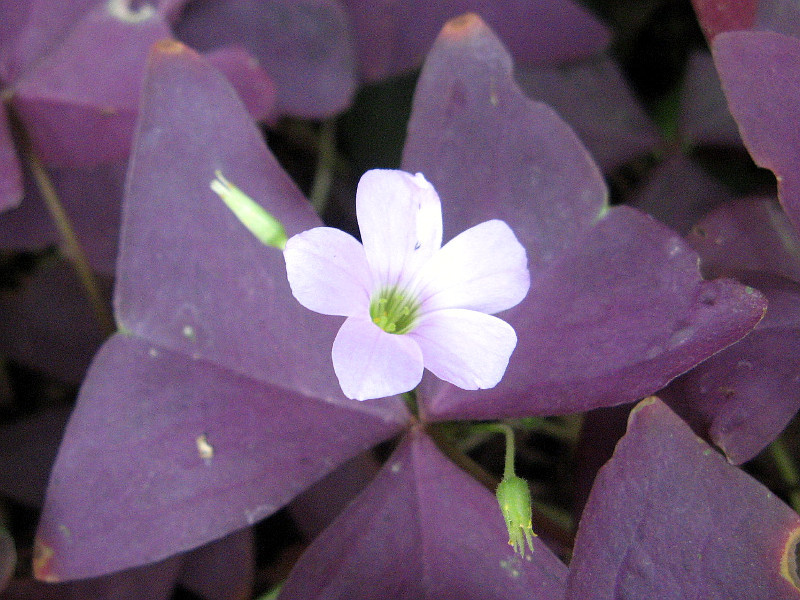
(258, 351)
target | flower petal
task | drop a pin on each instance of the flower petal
(467, 348)
(371, 363)
(328, 271)
(400, 218)
(483, 268)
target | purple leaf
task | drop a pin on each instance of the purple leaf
(30, 30)
(10, 169)
(705, 118)
(760, 73)
(165, 452)
(617, 307)
(81, 110)
(304, 46)
(594, 98)
(92, 198)
(222, 570)
(744, 396)
(218, 404)
(47, 322)
(678, 192)
(313, 510)
(393, 37)
(250, 81)
(191, 278)
(747, 235)
(154, 582)
(669, 518)
(422, 529)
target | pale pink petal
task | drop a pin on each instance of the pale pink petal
(484, 268)
(469, 349)
(400, 218)
(328, 272)
(371, 363)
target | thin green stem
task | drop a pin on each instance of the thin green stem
(509, 433)
(65, 229)
(326, 159)
(787, 470)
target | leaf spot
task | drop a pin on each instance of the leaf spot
(790, 562)
(204, 449)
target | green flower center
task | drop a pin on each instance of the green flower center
(394, 311)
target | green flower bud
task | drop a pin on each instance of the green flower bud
(514, 498)
(261, 224)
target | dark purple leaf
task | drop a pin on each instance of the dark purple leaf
(705, 118)
(393, 37)
(154, 582)
(91, 197)
(10, 169)
(30, 30)
(747, 235)
(250, 81)
(165, 452)
(601, 429)
(222, 570)
(669, 518)
(304, 47)
(422, 529)
(218, 404)
(678, 192)
(594, 98)
(617, 307)
(313, 510)
(80, 110)
(743, 397)
(47, 322)
(760, 73)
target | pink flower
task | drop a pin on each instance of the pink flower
(410, 303)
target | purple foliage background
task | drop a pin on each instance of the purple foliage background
(203, 448)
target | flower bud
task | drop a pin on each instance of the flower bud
(514, 498)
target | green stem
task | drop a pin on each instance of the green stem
(787, 470)
(509, 433)
(323, 175)
(65, 229)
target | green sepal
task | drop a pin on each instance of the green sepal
(514, 498)
(261, 224)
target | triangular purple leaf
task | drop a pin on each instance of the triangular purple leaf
(669, 518)
(617, 307)
(751, 234)
(164, 453)
(81, 110)
(678, 192)
(393, 37)
(705, 118)
(218, 403)
(760, 73)
(423, 529)
(744, 396)
(30, 30)
(594, 98)
(304, 46)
